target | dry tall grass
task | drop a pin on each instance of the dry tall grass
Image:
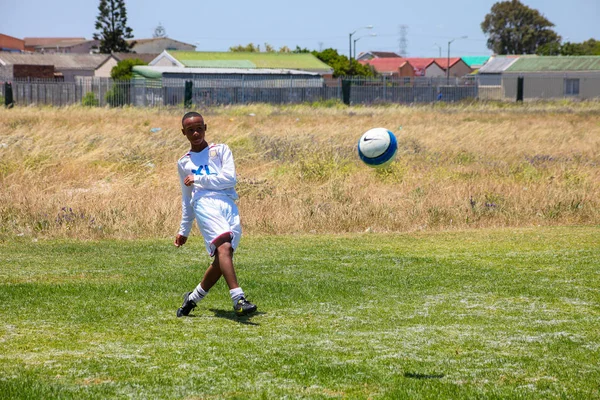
(96, 173)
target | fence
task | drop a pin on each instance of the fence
(245, 90)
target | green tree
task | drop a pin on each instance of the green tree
(341, 66)
(112, 26)
(249, 48)
(119, 94)
(123, 69)
(590, 47)
(514, 28)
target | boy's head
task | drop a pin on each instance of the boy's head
(191, 114)
(193, 127)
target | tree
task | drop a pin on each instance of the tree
(340, 64)
(123, 69)
(249, 48)
(590, 47)
(514, 28)
(112, 26)
(121, 73)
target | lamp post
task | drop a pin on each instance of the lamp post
(350, 42)
(439, 47)
(448, 65)
(358, 38)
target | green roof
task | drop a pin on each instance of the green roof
(556, 64)
(302, 61)
(475, 60)
(143, 71)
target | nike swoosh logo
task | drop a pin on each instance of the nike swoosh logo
(368, 139)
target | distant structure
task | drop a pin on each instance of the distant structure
(369, 55)
(402, 41)
(159, 31)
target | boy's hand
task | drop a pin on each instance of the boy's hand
(180, 240)
(189, 180)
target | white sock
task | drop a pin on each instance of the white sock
(198, 294)
(236, 294)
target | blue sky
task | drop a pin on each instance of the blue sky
(316, 25)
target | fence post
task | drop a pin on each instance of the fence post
(520, 84)
(187, 102)
(8, 95)
(346, 85)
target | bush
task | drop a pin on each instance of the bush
(90, 100)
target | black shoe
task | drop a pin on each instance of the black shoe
(244, 307)
(186, 307)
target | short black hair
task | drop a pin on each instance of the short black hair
(191, 114)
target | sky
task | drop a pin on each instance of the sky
(315, 25)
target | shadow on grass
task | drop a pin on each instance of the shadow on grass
(422, 376)
(231, 315)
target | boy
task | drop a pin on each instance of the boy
(207, 177)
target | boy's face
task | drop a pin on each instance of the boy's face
(194, 129)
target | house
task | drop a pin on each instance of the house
(393, 67)
(369, 55)
(426, 67)
(13, 44)
(458, 68)
(199, 59)
(491, 73)
(158, 45)
(51, 45)
(547, 77)
(64, 67)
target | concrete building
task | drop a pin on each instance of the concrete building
(64, 67)
(547, 77)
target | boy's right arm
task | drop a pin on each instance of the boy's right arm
(187, 211)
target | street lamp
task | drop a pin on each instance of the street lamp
(358, 38)
(439, 47)
(350, 42)
(448, 65)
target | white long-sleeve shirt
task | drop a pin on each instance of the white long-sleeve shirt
(214, 176)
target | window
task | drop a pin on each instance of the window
(572, 87)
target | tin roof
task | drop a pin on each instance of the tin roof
(497, 64)
(385, 64)
(475, 61)
(556, 64)
(154, 72)
(60, 61)
(299, 61)
(52, 41)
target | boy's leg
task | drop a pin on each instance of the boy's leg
(224, 261)
(211, 276)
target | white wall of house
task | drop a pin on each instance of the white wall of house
(104, 70)
(434, 71)
(460, 69)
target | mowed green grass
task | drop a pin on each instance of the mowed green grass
(508, 313)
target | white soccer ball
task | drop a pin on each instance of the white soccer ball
(377, 147)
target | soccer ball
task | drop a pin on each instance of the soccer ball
(377, 147)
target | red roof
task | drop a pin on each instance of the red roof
(443, 62)
(391, 64)
(420, 63)
(51, 41)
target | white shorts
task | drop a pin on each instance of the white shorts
(216, 217)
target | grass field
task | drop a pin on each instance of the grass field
(505, 313)
(97, 173)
